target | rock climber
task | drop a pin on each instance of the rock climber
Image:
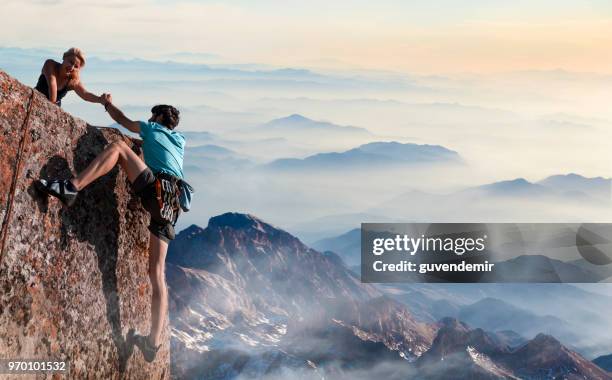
(56, 78)
(158, 181)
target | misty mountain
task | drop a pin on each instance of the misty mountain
(564, 301)
(243, 291)
(371, 155)
(519, 187)
(597, 187)
(298, 124)
(303, 133)
(250, 299)
(570, 186)
(544, 355)
(488, 313)
(212, 159)
(461, 352)
(321, 228)
(194, 138)
(136, 68)
(496, 315)
(347, 245)
(603, 271)
(210, 150)
(604, 362)
(427, 306)
(498, 201)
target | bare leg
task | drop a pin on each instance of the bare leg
(117, 152)
(159, 297)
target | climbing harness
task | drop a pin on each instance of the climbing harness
(167, 192)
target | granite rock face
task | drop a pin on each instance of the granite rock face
(72, 281)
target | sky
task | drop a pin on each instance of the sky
(427, 37)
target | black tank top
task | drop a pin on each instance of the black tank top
(43, 87)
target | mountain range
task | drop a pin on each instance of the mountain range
(298, 124)
(604, 362)
(374, 154)
(304, 132)
(245, 290)
(249, 299)
(347, 246)
(501, 201)
(210, 159)
(460, 352)
(298, 136)
(597, 187)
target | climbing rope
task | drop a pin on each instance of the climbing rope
(9, 207)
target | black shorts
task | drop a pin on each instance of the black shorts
(144, 187)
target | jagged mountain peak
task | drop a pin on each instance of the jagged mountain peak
(192, 230)
(453, 323)
(461, 353)
(293, 120)
(604, 362)
(251, 228)
(542, 341)
(237, 221)
(234, 235)
(296, 117)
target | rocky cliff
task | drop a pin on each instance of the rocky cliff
(460, 352)
(72, 281)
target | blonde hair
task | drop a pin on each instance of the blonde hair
(75, 52)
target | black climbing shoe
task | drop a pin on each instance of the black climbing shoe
(64, 190)
(148, 350)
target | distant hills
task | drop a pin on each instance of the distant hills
(461, 352)
(375, 154)
(604, 362)
(574, 183)
(347, 245)
(569, 186)
(506, 200)
(533, 304)
(298, 124)
(519, 187)
(303, 131)
(211, 159)
(497, 315)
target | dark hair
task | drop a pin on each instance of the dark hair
(170, 115)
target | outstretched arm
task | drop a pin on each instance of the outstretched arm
(86, 95)
(118, 115)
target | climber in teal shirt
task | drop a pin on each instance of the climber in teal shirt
(163, 148)
(157, 180)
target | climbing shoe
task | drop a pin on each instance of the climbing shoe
(64, 190)
(148, 350)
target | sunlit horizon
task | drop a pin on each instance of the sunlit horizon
(438, 38)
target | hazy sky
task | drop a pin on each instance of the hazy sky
(436, 36)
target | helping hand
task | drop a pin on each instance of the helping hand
(106, 99)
